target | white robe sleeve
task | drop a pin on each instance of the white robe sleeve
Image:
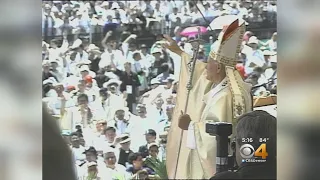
(191, 139)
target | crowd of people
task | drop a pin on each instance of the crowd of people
(114, 104)
(144, 18)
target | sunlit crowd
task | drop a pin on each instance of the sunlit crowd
(114, 100)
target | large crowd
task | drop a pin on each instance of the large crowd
(114, 100)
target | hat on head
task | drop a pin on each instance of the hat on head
(50, 80)
(111, 81)
(115, 5)
(105, 3)
(84, 68)
(143, 46)
(124, 138)
(253, 40)
(93, 47)
(89, 164)
(84, 62)
(151, 132)
(226, 52)
(152, 144)
(156, 50)
(90, 149)
(88, 79)
(47, 6)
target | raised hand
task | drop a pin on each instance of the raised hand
(172, 45)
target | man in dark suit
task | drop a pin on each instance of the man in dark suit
(151, 136)
(124, 149)
(129, 85)
(262, 128)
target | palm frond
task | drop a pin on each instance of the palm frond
(158, 166)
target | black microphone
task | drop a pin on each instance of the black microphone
(221, 131)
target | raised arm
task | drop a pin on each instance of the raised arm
(172, 45)
(105, 39)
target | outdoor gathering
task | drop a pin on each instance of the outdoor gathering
(167, 89)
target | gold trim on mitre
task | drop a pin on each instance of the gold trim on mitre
(226, 52)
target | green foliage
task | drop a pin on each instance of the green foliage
(158, 166)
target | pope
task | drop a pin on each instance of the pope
(218, 94)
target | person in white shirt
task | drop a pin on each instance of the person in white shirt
(91, 171)
(57, 70)
(56, 96)
(208, 12)
(81, 23)
(272, 43)
(79, 115)
(91, 155)
(72, 68)
(243, 12)
(174, 15)
(120, 121)
(47, 21)
(55, 51)
(157, 112)
(112, 168)
(77, 149)
(58, 23)
(271, 72)
(111, 52)
(255, 56)
(110, 138)
(157, 11)
(146, 57)
(110, 101)
(141, 69)
(138, 126)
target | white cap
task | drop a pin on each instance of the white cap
(84, 62)
(156, 50)
(253, 40)
(50, 80)
(89, 164)
(105, 3)
(93, 47)
(115, 5)
(84, 68)
(111, 81)
(152, 144)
